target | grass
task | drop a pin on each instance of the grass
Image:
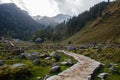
(104, 58)
(101, 29)
(37, 70)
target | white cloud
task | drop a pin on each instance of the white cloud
(54, 7)
(72, 7)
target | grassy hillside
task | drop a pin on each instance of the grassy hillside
(101, 29)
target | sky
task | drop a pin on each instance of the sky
(53, 7)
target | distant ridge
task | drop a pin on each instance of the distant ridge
(51, 21)
(15, 22)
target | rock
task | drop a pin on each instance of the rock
(84, 46)
(70, 62)
(64, 63)
(55, 55)
(70, 47)
(43, 56)
(54, 64)
(55, 69)
(48, 58)
(32, 56)
(46, 77)
(22, 56)
(1, 62)
(114, 70)
(102, 75)
(108, 65)
(38, 78)
(89, 78)
(36, 62)
(17, 65)
(17, 51)
(39, 40)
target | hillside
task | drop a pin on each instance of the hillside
(101, 29)
(15, 22)
(51, 21)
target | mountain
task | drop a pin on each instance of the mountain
(15, 22)
(104, 29)
(61, 18)
(51, 21)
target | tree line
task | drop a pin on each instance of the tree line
(73, 25)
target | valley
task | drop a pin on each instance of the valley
(62, 47)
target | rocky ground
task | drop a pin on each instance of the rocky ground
(20, 60)
(83, 70)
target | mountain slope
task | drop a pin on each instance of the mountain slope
(101, 29)
(16, 22)
(51, 21)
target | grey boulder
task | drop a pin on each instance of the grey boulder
(55, 69)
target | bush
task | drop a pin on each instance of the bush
(8, 73)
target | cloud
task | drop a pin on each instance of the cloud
(72, 7)
(54, 7)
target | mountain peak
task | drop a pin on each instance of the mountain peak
(51, 21)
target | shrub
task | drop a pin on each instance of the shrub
(8, 73)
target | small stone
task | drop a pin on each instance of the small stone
(54, 64)
(55, 69)
(64, 63)
(36, 62)
(32, 56)
(38, 78)
(102, 75)
(70, 62)
(48, 58)
(17, 65)
(22, 56)
(46, 77)
(43, 56)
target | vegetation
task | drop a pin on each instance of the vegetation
(66, 29)
(30, 71)
(16, 23)
(106, 56)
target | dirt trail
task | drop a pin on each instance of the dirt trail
(82, 70)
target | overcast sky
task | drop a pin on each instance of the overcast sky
(53, 7)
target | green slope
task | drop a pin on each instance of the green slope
(101, 29)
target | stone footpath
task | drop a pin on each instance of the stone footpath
(82, 70)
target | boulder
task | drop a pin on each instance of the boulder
(109, 65)
(39, 40)
(84, 46)
(70, 62)
(43, 56)
(22, 56)
(46, 77)
(102, 75)
(70, 47)
(55, 69)
(64, 63)
(48, 58)
(54, 64)
(36, 62)
(17, 65)
(32, 57)
(55, 55)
